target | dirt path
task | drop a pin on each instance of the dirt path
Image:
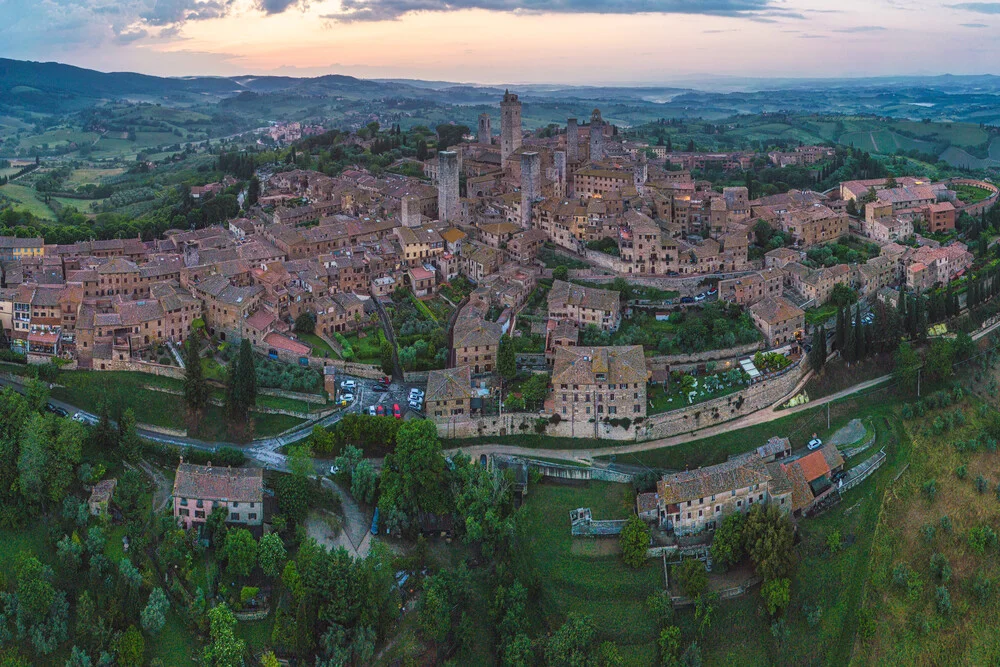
(357, 521)
(164, 488)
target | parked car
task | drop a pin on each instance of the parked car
(334, 470)
(712, 292)
(395, 411)
(386, 380)
(415, 404)
(815, 443)
(80, 417)
(700, 297)
(56, 410)
(380, 388)
(380, 410)
(349, 384)
(346, 398)
(371, 411)
(416, 393)
(687, 299)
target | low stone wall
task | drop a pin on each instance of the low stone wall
(138, 367)
(296, 395)
(737, 352)
(514, 423)
(418, 377)
(353, 368)
(605, 261)
(716, 411)
(179, 432)
(561, 471)
(978, 207)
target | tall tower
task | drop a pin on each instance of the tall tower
(559, 161)
(510, 127)
(448, 210)
(485, 131)
(572, 141)
(596, 136)
(410, 211)
(640, 172)
(531, 184)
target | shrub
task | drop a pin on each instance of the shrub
(833, 541)
(981, 484)
(927, 532)
(942, 601)
(901, 575)
(946, 524)
(940, 567)
(930, 489)
(776, 594)
(813, 615)
(961, 471)
(691, 576)
(982, 588)
(981, 538)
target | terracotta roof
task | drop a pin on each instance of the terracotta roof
(215, 483)
(813, 465)
(279, 342)
(776, 309)
(581, 365)
(563, 293)
(449, 384)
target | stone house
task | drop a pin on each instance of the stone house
(198, 490)
(449, 393)
(584, 305)
(778, 319)
(598, 382)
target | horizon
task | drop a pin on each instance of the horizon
(490, 41)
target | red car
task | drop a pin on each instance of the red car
(386, 380)
(380, 410)
(395, 411)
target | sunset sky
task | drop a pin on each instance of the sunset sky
(509, 41)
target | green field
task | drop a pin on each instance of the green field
(28, 200)
(58, 138)
(575, 578)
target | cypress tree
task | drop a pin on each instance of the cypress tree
(196, 391)
(241, 394)
(840, 335)
(817, 355)
(859, 336)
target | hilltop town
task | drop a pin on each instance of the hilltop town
(678, 360)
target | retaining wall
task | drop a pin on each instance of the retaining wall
(297, 395)
(138, 367)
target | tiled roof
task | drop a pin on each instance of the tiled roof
(215, 483)
(776, 309)
(563, 293)
(449, 384)
(581, 365)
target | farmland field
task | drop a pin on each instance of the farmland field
(28, 200)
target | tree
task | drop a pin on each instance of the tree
(769, 540)
(506, 359)
(859, 336)
(154, 614)
(560, 273)
(196, 390)
(253, 191)
(413, 474)
(305, 323)
(131, 648)
(776, 594)
(572, 644)
(271, 554)
(129, 443)
(385, 355)
(691, 576)
(241, 394)
(939, 359)
(840, 334)
(224, 649)
(843, 295)
(241, 552)
(634, 540)
(907, 366)
(727, 543)
(817, 355)
(670, 645)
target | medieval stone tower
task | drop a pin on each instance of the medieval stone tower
(640, 172)
(559, 167)
(410, 210)
(572, 141)
(448, 210)
(531, 184)
(510, 127)
(485, 134)
(596, 136)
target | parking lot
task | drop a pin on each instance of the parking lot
(366, 396)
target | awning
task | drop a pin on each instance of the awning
(44, 338)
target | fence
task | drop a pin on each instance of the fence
(598, 528)
(861, 472)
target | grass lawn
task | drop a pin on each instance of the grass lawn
(672, 398)
(600, 586)
(367, 349)
(820, 314)
(320, 348)
(257, 634)
(175, 645)
(552, 259)
(28, 200)
(32, 538)
(970, 194)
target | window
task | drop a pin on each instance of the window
(699, 513)
(199, 503)
(184, 502)
(718, 509)
(185, 512)
(689, 503)
(689, 515)
(760, 496)
(252, 516)
(199, 514)
(234, 517)
(739, 503)
(236, 504)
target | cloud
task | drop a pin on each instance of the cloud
(388, 10)
(979, 7)
(174, 12)
(861, 28)
(279, 6)
(973, 25)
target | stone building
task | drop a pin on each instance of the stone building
(596, 136)
(572, 141)
(751, 288)
(448, 210)
(531, 185)
(582, 306)
(200, 489)
(599, 382)
(485, 134)
(449, 393)
(510, 127)
(778, 319)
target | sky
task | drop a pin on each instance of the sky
(598, 42)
